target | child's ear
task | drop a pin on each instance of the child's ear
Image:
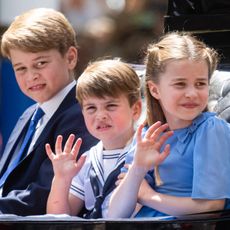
(153, 89)
(71, 56)
(137, 108)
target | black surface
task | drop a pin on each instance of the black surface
(213, 221)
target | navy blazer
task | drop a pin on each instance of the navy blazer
(26, 189)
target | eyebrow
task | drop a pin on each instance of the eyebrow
(183, 79)
(112, 100)
(35, 59)
(17, 64)
(40, 57)
(87, 104)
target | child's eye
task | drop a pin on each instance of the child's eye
(180, 84)
(112, 106)
(20, 69)
(90, 109)
(201, 84)
(41, 64)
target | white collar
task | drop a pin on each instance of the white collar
(50, 106)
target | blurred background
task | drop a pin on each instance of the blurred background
(105, 28)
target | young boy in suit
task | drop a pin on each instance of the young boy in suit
(41, 44)
(109, 94)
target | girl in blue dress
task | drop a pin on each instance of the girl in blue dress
(188, 147)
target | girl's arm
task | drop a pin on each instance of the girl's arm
(124, 198)
(176, 206)
(65, 168)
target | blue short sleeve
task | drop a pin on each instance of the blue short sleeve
(211, 160)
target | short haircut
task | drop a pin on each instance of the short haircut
(108, 78)
(38, 30)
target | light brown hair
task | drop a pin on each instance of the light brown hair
(171, 47)
(38, 30)
(108, 78)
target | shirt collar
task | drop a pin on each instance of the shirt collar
(50, 106)
(182, 134)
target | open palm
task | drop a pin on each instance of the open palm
(148, 147)
(64, 161)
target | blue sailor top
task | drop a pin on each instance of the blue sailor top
(198, 165)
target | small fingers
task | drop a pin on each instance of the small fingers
(58, 145)
(164, 154)
(76, 148)
(49, 151)
(118, 182)
(158, 131)
(152, 129)
(121, 176)
(127, 166)
(69, 143)
(164, 138)
(138, 133)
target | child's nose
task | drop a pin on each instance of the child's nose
(101, 115)
(33, 74)
(191, 92)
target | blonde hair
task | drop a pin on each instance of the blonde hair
(108, 78)
(38, 30)
(172, 47)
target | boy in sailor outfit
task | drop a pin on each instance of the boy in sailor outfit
(109, 93)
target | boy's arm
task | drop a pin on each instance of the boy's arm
(60, 201)
(65, 168)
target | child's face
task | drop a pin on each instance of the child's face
(111, 119)
(182, 91)
(42, 75)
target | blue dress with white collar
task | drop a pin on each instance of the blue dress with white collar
(199, 162)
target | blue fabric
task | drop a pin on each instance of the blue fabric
(199, 162)
(25, 144)
(12, 100)
(149, 212)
